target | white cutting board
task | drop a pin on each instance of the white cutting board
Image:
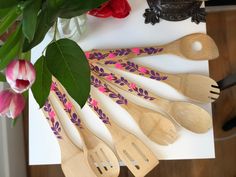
(128, 32)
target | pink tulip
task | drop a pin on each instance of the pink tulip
(20, 74)
(11, 104)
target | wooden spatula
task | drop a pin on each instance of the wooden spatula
(196, 46)
(135, 154)
(100, 157)
(196, 87)
(73, 161)
(155, 126)
(187, 115)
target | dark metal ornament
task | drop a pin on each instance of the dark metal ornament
(174, 10)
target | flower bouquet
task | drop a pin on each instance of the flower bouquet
(23, 25)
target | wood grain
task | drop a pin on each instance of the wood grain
(222, 28)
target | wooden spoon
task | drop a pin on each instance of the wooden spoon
(188, 115)
(196, 87)
(155, 126)
(73, 161)
(196, 46)
(100, 157)
(135, 154)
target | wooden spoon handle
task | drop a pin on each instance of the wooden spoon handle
(128, 86)
(117, 132)
(66, 145)
(125, 53)
(131, 67)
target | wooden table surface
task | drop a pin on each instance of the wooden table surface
(221, 27)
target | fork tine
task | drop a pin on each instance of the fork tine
(217, 93)
(215, 86)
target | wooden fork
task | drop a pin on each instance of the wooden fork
(137, 156)
(73, 161)
(196, 87)
(100, 157)
(187, 115)
(196, 46)
(155, 126)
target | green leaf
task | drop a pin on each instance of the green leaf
(67, 62)
(8, 3)
(45, 21)
(2, 77)
(11, 48)
(72, 8)
(3, 13)
(9, 19)
(30, 14)
(41, 87)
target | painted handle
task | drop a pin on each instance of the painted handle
(125, 84)
(53, 120)
(105, 89)
(64, 101)
(103, 55)
(116, 132)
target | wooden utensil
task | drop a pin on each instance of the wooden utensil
(100, 157)
(187, 115)
(196, 87)
(155, 126)
(73, 161)
(196, 46)
(135, 154)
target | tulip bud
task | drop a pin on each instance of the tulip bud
(11, 104)
(20, 74)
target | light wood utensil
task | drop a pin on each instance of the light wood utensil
(73, 160)
(100, 157)
(196, 87)
(187, 115)
(196, 46)
(155, 126)
(135, 154)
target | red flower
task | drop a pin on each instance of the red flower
(115, 8)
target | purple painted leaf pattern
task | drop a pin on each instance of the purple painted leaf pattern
(122, 81)
(132, 67)
(62, 97)
(98, 84)
(55, 125)
(95, 55)
(99, 112)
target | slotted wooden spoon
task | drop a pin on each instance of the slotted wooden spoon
(73, 161)
(100, 157)
(188, 115)
(196, 87)
(135, 154)
(196, 46)
(155, 126)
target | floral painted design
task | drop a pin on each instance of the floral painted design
(132, 67)
(98, 84)
(55, 125)
(96, 55)
(99, 112)
(67, 106)
(122, 82)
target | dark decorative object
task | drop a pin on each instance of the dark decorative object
(174, 10)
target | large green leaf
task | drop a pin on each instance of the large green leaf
(9, 18)
(2, 77)
(67, 62)
(41, 87)
(30, 14)
(8, 3)
(45, 21)
(10, 48)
